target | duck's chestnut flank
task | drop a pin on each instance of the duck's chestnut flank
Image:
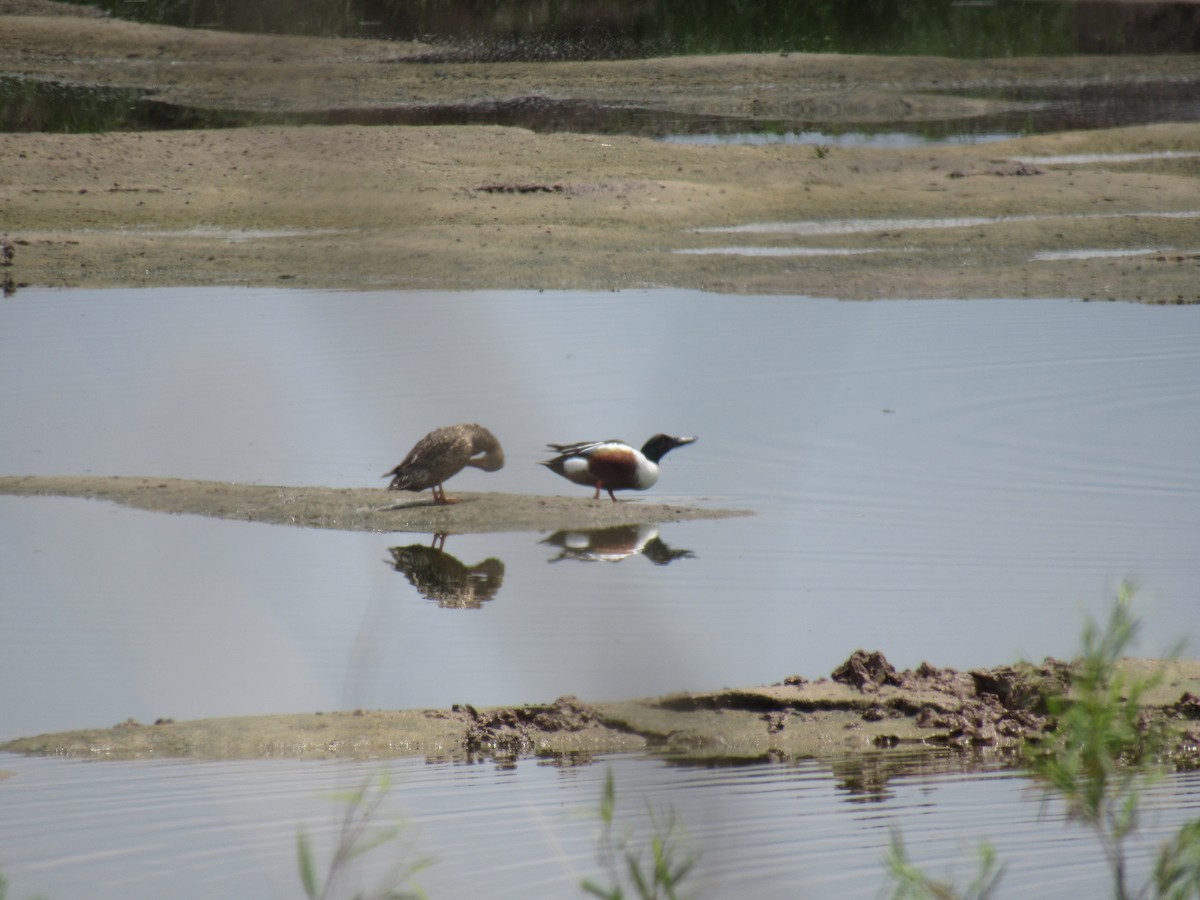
(613, 465)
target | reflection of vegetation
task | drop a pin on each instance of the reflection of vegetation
(1104, 748)
(46, 106)
(660, 876)
(596, 28)
(359, 836)
(27, 105)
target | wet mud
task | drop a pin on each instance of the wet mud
(866, 706)
(361, 509)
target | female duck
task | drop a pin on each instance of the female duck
(444, 453)
(613, 465)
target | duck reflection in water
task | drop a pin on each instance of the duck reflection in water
(445, 579)
(614, 544)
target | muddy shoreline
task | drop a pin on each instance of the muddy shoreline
(484, 208)
(865, 706)
(361, 509)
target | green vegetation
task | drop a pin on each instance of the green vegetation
(629, 873)
(1106, 746)
(911, 883)
(534, 29)
(359, 836)
(28, 105)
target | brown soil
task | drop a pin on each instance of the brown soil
(866, 706)
(360, 509)
(416, 207)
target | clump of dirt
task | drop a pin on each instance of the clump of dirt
(1187, 707)
(518, 730)
(866, 671)
(876, 708)
(983, 707)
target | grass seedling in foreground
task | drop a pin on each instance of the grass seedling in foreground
(911, 883)
(1104, 748)
(658, 877)
(360, 835)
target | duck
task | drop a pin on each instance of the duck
(441, 455)
(613, 465)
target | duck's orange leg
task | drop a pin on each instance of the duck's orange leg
(599, 487)
(439, 495)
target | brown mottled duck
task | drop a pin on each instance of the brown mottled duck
(441, 455)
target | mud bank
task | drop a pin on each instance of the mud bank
(865, 706)
(394, 207)
(362, 509)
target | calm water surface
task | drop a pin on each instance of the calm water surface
(204, 830)
(957, 482)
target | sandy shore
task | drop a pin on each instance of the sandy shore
(489, 207)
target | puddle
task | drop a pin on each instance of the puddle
(35, 105)
(1083, 159)
(1056, 255)
(232, 235)
(28, 105)
(776, 251)
(867, 226)
(914, 136)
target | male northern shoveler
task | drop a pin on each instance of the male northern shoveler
(441, 455)
(613, 465)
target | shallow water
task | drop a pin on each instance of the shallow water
(957, 482)
(769, 830)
